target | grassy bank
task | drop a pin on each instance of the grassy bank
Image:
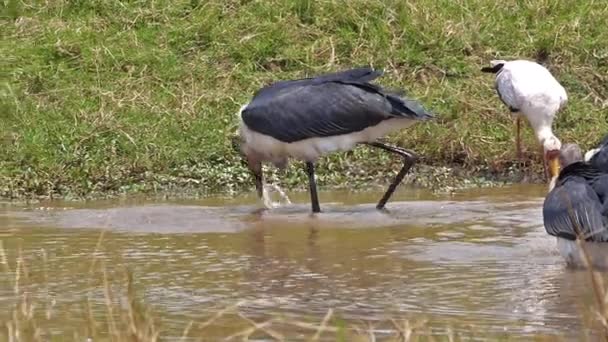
(118, 96)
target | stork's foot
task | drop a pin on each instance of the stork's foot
(409, 159)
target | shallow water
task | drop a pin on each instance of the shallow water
(476, 260)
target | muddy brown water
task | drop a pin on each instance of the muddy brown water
(473, 260)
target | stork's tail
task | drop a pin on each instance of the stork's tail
(362, 74)
(496, 66)
(403, 106)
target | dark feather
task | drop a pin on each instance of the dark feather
(600, 159)
(493, 69)
(574, 207)
(578, 170)
(578, 202)
(600, 186)
(364, 74)
(328, 105)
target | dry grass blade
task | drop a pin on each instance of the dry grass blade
(401, 331)
(18, 274)
(219, 314)
(113, 330)
(187, 331)
(371, 333)
(267, 330)
(96, 250)
(310, 326)
(323, 325)
(7, 268)
(406, 330)
(247, 332)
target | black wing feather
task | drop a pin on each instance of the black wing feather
(364, 74)
(600, 186)
(577, 170)
(329, 105)
(600, 159)
(571, 206)
(493, 69)
(315, 111)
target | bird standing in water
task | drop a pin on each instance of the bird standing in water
(529, 89)
(311, 117)
(576, 206)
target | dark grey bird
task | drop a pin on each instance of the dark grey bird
(307, 118)
(577, 205)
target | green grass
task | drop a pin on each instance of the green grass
(117, 96)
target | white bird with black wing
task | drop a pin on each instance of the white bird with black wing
(529, 89)
(307, 118)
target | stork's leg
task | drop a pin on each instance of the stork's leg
(545, 166)
(256, 170)
(409, 159)
(314, 197)
(259, 181)
(518, 139)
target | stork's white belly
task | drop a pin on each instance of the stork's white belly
(271, 149)
(570, 251)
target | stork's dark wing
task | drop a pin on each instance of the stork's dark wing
(300, 111)
(600, 158)
(362, 75)
(600, 186)
(365, 74)
(574, 206)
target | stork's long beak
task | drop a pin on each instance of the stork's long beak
(552, 160)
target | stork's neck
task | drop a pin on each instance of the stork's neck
(543, 133)
(545, 137)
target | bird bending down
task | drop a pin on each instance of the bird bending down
(529, 89)
(307, 118)
(577, 206)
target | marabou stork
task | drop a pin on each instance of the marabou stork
(576, 207)
(307, 118)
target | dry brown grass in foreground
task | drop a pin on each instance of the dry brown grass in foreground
(114, 311)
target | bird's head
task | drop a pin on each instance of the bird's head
(552, 147)
(570, 153)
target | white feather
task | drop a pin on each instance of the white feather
(589, 154)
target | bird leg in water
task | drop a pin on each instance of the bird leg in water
(314, 197)
(409, 160)
(256, 169)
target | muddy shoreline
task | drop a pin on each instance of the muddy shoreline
(438, 179)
